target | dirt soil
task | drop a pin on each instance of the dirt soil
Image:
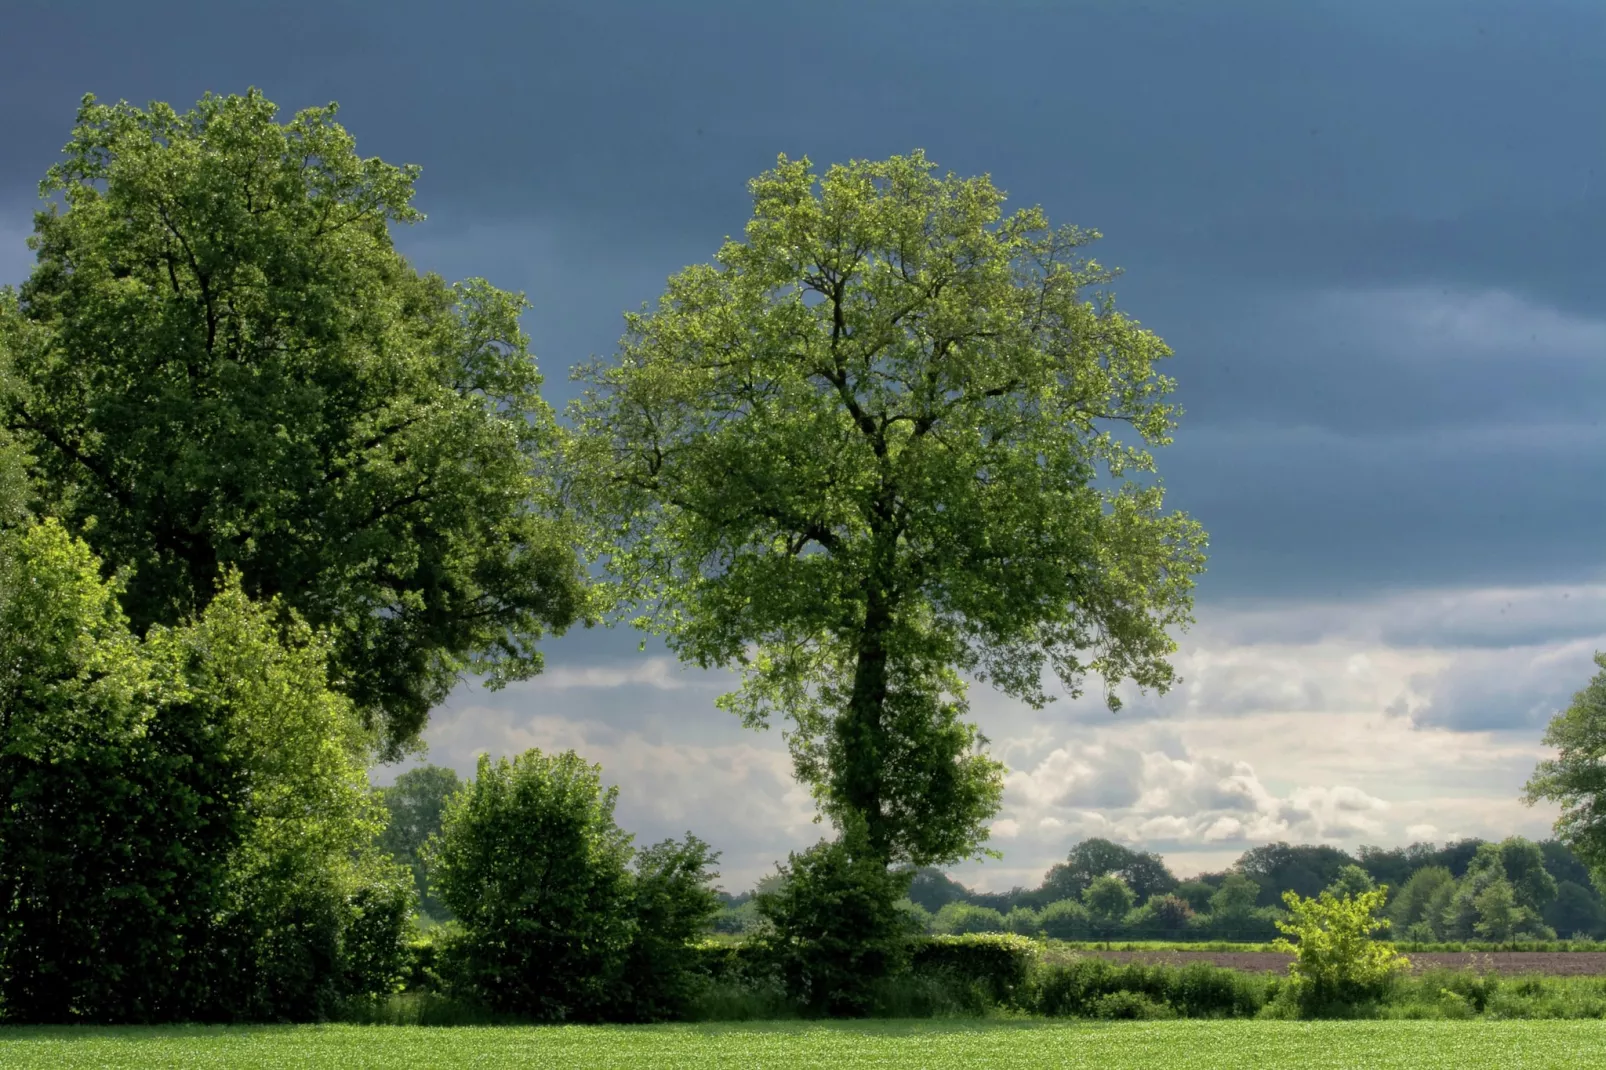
(1554, 963)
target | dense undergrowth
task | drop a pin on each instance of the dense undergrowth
(1012, 977)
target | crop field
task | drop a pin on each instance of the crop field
(800, 1046)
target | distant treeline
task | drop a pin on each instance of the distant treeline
(1466, 890)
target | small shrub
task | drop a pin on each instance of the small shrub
(1336, 963)
(671, 902)
(1128, 1006)
(533, 865)
(835, 926)
(1065, 919)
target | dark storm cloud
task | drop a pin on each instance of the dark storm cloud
(1308, 199)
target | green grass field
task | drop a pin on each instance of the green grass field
(800, 1046)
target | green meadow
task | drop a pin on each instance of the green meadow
(803, 1046)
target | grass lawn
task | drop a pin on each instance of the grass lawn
(797, 1046)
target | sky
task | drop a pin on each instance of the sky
(1370, 231)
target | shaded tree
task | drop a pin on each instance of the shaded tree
(868, 451)
(1108, 900)
(185, 823)
(1576, 909)
(1420, 899)
(1351, 881)
(223, 363)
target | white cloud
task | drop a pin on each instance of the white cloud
(1409, 717)
(665, 674)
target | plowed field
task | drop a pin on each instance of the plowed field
(1553, 963)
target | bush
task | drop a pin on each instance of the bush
(1076, 989)
(1128, 1006)
(671, 903)
(186, 825)
(1162, 915)
(920, 919)
(1337, 964)
(1108, 901)
(958, 919)
(531, 863)
(1065, 919)
(836, 928)
(1022, 921)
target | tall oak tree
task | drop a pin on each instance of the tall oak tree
(871, 449)
(223, 362)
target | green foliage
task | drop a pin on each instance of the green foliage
(997, 966)
(1142, 871)
(836, 930)
(1196, 894)
(1336, 963)
(223, 363)
(1421, 901)
(415, 805)
(1305, 869)
(532, 865)
(1022, 921)
(1486, 904)
(107, 835)
(957, 919)
(1065, 919)
(1351, 880)
(867, 451)
(920, 919)
(1094, 987)
(1576, 777)
(1108, 900)
(672, 902)
(1576, 910)
(1234, 901)
(187, 819)
(933, 889)
(1162, 914)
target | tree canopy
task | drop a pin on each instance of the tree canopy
(871, 448)
(1142, 871)
(222, 362)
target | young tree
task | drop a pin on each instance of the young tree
(1421, 900)
(1108, 900)
(222, 362)
(1576, 777)
(1351, 880)
(835, 925)
(531, 862)
(869, 450)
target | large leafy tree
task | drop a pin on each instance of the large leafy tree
(870, 449)
(1576, 777)
(223, 362)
